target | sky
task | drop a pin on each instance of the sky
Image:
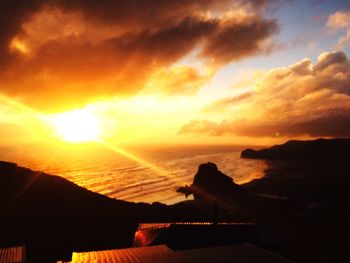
(182, 71)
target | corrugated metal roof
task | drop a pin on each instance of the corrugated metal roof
(12, 254)
(244, 253)
(161, 254)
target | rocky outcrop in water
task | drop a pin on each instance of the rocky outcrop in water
(210, 183)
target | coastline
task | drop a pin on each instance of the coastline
(299, 202)
(112, 175)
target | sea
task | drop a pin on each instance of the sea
(147, 173)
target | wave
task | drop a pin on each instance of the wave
(124, 179)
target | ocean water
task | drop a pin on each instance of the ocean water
(143, 174)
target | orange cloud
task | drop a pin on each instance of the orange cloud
(178, 80)
(300, 100)
(56, 54)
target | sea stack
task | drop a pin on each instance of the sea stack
(209, 183)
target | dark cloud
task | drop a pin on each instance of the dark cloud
(12, 15)
(151, 13)
(302, 99)
(167, 44)
(114, 47)
(236, 40)
(331, 59)
(140, 13)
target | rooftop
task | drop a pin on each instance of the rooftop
(162, 254)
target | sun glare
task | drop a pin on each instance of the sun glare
(76, 126)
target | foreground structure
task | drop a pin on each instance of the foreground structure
(246, 253)
(188, 242)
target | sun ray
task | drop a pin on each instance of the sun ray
(21, 106)
(134, 157)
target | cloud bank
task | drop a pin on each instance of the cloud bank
(303, 99)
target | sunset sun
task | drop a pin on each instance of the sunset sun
(76, 126)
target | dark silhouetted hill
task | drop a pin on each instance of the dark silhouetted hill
(52, 216)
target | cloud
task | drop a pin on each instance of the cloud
(225, 104)
(340, 21)
(56, 53)
(231, 40)
(178, 80)
(303, 99)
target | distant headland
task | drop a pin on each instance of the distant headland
(320, 149)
